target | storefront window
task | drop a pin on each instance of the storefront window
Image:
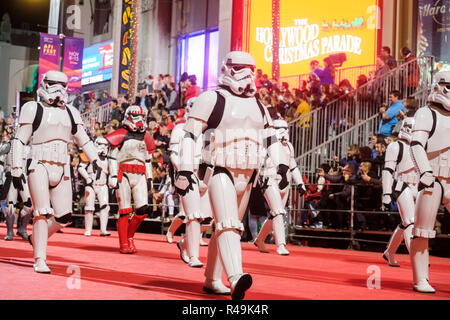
(198, 55)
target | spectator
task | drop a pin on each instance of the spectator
(192, 89)
(389, 60)
(338, 197)
(412, 71)
(325, 74)
(182, 86)
(302, 110)
(106, 98)
(266, 82)
(381, 68)
(144, 100)
(367, 193)
(352, 157)
(149, 84)
(389, 116)
(115, 111)
(258, 79)
(172, 97)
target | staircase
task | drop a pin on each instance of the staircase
(354, 118)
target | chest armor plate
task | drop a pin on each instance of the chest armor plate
(438, 147)
(237, 142)
(133, 149)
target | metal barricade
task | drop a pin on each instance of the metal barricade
(296, 207)
(413, 78)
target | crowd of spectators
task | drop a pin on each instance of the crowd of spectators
(164, 100)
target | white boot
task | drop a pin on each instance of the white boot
(214, 269)
(262, 235)
(22, 230)
(419, 261)
(176, 223)
(280, 235)
(40, 266)
(281, 250)
(215, 287)
(10, 217)
(192, 239)
(240, 284)
(195, 263)
(40, 236)
(88, 221)
(104, 213)
(183, 252)
(394, 242)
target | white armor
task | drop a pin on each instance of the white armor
(189, 244)
(96, 187)
(272, 193)
(130, 168)
(403, 189)
(237, 127)
(12, 198)
(430, 148)
(49, 128)
(235, 143)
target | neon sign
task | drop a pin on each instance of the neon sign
(312, 31)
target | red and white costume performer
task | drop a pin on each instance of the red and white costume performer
(276, 198)
(96, 187)
(237, 131)
(400, 182)
(50, 125)
(430, 146)
(12, 198)
(130, 168)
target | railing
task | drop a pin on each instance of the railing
(351, 227)
(351, 74)
(339, 137)
(315, 128)
(100, 114)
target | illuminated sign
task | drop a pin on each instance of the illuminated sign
(312, 31)
(97, 63)
(126, 30)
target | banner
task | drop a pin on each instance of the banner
(48, 54)
(125, 46)
(73, 62)
(434, 31)
(97, 63)
(312, 31)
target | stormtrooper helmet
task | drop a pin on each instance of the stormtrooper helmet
(440, 89)
(102, 146)
(406, 129)
(237, 73)
(53, 88)
(282, 130)
(135, 119)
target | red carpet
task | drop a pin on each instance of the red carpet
(157, 273)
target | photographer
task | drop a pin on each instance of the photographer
(389, 115)
(367, 193)
(337, 197)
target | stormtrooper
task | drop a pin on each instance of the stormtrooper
(96, 186)
(189, 244)
(277, 199)
(12, 197)
(403, 189)
(430, 147)
(131, 171)
(50, 125)
(237, 130)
